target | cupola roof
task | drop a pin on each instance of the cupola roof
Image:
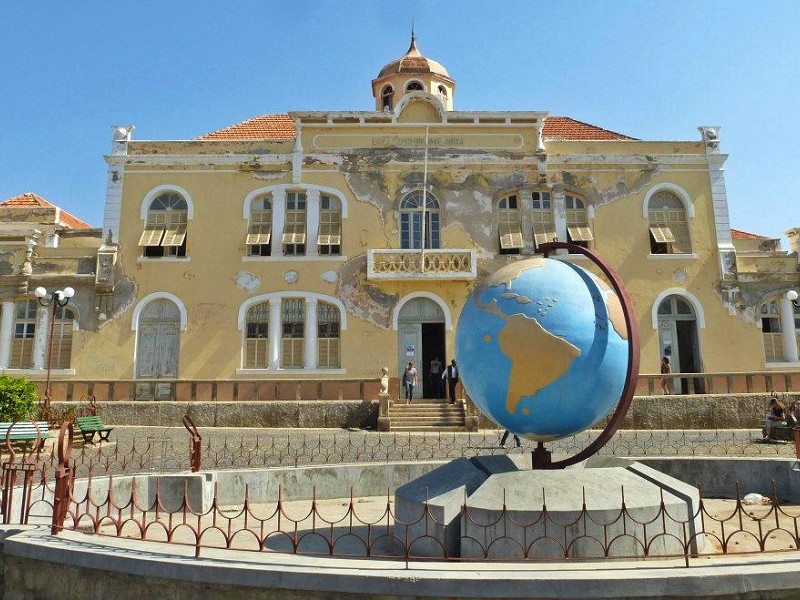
(413, 63)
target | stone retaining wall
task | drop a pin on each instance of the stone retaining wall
(320, 414)
(724, 411)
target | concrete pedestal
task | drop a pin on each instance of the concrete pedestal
(497, 507)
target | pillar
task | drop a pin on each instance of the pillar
(275, 332)
(312, 222)
(788, 336)
(6, 333)
(560, 215)
(310, 343)
(41, 337)
(278, 220)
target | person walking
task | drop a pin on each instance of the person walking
(451, 375)
(436, 378)
(505, 437)
(410, 379)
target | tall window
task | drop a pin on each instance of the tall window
(330, 225)
(24, 331)
(411, 221)
(578, 231)
(259, 232)
(292, 331)
(62, 337)
(414, 86)
(165, 228)
(669, 229)
(256, 351)
(387, 95)
(509, 225)
(294, 230)
(544, 229)
(328, 355)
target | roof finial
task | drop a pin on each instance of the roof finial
(412, 49)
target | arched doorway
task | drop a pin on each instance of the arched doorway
(420, 324)
(158, 340)
(678, 340)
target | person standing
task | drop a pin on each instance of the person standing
(436, 378)
(410, 379)
(451, 375)
(666, 369)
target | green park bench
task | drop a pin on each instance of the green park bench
(24, 432)
(90, 426)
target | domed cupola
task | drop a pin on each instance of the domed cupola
(409, 74)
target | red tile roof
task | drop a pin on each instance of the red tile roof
(566, 128)
(31, 200)
(281, 127)
(738, 234)
(265, 127)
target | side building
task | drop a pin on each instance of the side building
(326, 245)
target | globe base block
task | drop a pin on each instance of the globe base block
(518, 512)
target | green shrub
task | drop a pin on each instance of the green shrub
(18, 398)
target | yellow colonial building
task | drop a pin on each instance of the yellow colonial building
(324, 245)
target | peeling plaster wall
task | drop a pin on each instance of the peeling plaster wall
(612, 176)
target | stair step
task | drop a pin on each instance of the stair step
(428, 428)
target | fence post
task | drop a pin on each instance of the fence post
(63, 492)
(195, 445)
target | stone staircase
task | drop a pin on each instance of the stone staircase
(427, 415)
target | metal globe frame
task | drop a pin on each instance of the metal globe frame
(541, 457)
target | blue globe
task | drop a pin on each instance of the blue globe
(542, 348)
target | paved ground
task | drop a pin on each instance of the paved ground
(138, 449)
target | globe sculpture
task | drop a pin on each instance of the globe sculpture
(544, 347)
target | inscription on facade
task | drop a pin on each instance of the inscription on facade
(485, 141)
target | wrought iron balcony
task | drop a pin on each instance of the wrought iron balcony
(415, 264)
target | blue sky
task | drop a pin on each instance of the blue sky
(652, 70)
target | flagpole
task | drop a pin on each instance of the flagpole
(424, 201)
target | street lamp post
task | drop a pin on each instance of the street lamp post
(792, 296)
(59, 299)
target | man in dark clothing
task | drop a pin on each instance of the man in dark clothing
(451, 375)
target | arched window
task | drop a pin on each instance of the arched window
(411, 213)
(387, 96)
(669, 229)
(544, 229)
(256, 351)
(442, 91)
(414, 86)
(509, 225)
(292, 332)
(62, 337)
(294, 229)
(259, 232)
(578, 230)
(329, 240)
(165, 229)
(328, 355)
(298, 331)
(24, 331)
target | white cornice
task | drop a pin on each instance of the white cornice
(334, 158)
(197, 159)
